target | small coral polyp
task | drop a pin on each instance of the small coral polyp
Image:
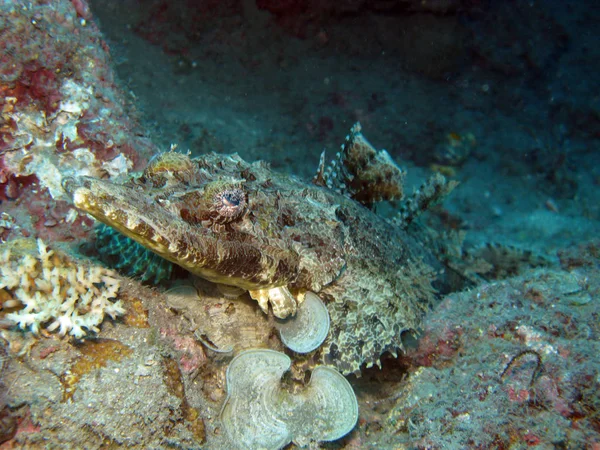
(56, 293)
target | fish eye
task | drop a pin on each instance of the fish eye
(231, 198)
(228, 204)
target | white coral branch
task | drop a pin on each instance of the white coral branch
(57, 294)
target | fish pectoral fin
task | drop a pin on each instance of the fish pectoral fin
(281, 299)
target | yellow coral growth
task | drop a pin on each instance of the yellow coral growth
(55, 292)
(94, 354)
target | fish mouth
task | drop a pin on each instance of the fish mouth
(248, 265)
(122, 208)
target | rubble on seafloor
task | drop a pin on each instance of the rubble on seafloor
(509, 364)
(505, 365)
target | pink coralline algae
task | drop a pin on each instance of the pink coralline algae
(61, 112)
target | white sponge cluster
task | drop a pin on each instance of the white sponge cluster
(56, 293)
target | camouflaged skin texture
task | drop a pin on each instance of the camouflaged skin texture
(242, 224)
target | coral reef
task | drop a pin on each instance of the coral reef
(8, 423)
(127, 386)
(61, 113)
(55, 293)
(222, 324)
(509, 363)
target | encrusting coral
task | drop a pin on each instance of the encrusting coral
(55, 292)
